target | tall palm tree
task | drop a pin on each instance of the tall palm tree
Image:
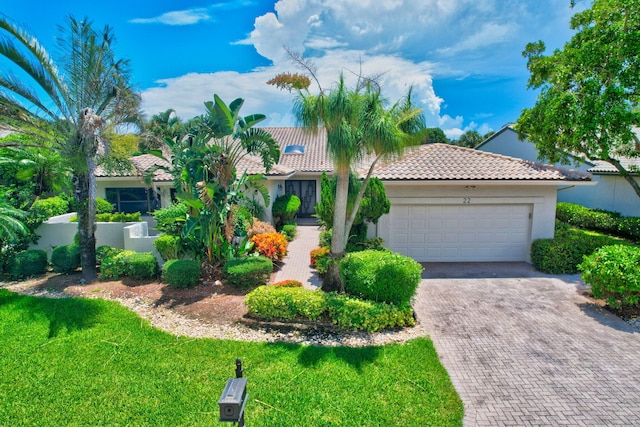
(359, 125)
(66, 105)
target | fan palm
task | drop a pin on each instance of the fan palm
(66, 104)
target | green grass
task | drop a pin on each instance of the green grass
(87, 362)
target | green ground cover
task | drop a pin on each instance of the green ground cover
(92, 362)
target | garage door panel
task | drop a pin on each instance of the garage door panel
(447, 233)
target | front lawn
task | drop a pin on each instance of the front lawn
(75, 361)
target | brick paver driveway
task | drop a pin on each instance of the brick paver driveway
(524, 348)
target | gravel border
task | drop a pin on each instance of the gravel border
(249, 331)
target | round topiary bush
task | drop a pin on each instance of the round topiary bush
(28, 263)
(247, 272)
(65, 259)
(181, 273)
(285, 208)
(142, 265)
(614, 275)
(168, 246)
(103, 206)
(381, 276)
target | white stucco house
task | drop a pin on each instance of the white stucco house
(448, 203)
(611, 193)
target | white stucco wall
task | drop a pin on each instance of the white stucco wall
(542, 198)
(611, 193)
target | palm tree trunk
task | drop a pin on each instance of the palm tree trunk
(332, 280)
(85, 196)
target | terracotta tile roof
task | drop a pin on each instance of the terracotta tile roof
(315, 157)
(141, 163)
(449, 162)
(630, 164)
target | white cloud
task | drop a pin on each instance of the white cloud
(406, 42)
(178, 17)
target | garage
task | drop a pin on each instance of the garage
(454, 233)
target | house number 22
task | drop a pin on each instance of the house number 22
(466, 200)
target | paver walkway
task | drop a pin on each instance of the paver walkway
(295, 266)
(522, 348)
(526, 349)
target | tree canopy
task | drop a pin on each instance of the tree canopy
(589, 89)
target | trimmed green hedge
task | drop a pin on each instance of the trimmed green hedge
(289, 231)
(114, 217)
(181, 273)
(65, 259)
(381, 276)
(599, 220)
(274, 302)
(614, 274)
(353, 313)
(247, 272)
(562, 254)
(138, 265)
(28, 263)
(277, 303)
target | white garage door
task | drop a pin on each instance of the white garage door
(451, 233)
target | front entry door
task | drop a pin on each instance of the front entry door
(306, 191)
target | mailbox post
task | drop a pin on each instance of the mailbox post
(234, 398)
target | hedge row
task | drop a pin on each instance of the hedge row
(138, 265)
(282, 303)
(562, 254)
(599, 220)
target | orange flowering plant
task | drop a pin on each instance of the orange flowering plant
(317, 253)
(270, 245)
(288, 284)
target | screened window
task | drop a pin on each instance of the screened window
(131, 200)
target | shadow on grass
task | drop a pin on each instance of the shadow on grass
(356, 357)
(62, 314)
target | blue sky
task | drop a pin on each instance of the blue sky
(463, 57)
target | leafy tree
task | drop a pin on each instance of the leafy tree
(205, 173)
(588, 101)
(469, 139)
(358, 123)
(374, 201)
(435, 135)
(67, 104)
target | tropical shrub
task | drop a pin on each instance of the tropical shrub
(65, 259)
(353, 313)
(284, 209)
(289, 231)
(47, 208)
(242, 219)
(103, 206)
(247, 272)
(288, 284)
(104, 251)
(28, 263)
(325, 239)
(381, 276)
(316, 254)
(168, 246)
(274, 302)
(170, 220)
(181, 273)
(138, 265)
(614, 275)
(270, 245)
(562, 254)
(259, 227)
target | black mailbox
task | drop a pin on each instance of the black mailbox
(233, 400)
